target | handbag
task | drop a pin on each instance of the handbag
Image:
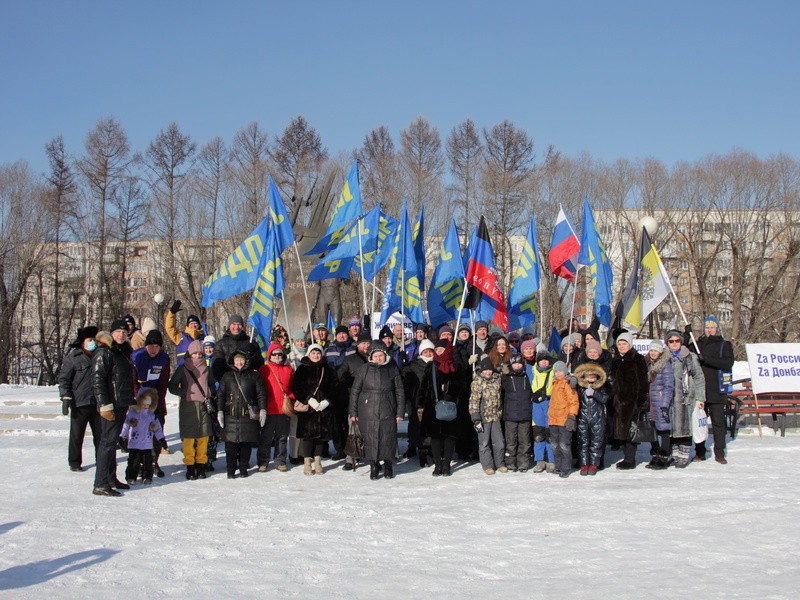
(250, 411)
(354, 446)
(699, 425)
(288, 404)
(642, 430)
(446, 410)
(725, 377)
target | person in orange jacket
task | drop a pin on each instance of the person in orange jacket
(562, 417)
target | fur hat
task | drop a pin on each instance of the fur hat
(626, 336)
(154, 337)
(560, 366)
(587, 369)
(486, 364)
(84, 333)
(425, 345)
(148, 397)
(342, 329)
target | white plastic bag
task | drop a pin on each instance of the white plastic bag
(699, 425)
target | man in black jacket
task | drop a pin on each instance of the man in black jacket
(113, 390)
(347, 374)
(716, 356)
(234, 338)
(75, 384)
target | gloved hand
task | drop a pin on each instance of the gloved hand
(313, 403)
(210, 408)
(163, 443)
(478, 426)
(300, 407)
(65, 405)
(473, 359)
(123, 443)
(402, 357)
(419, 413)
(573, 382)
(323, 405)
(221, 419)
(571, 423)
(688, 329)
(699, 405)
(589, 392)
(665, 414)
(176, 306)
(262, 417)
(108, 415)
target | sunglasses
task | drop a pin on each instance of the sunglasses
(277, 354)
(673, 341)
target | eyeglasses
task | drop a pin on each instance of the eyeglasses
(277, 354)
(673, 341)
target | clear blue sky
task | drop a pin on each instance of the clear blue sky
(673, 80)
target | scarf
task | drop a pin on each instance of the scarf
(444, 361)
(199, 368)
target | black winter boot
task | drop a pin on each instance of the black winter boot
(200, 471)
(243, 469)
(446, 468)
(190, 473)
(422, 454)
(231, 472)
(388, 469)
(437, 467)
(374, 469)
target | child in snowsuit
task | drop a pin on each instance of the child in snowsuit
(140, 428)
(517, 401)
(562, 417)
(486, 410)
(541, 376)
(593, 395)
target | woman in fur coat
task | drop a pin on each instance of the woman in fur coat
(629, 372)
(315, 387)
(690, 393)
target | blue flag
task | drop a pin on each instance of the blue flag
(268, 287)
(338, 262)
(376, 259)
(418, 238)
(347, 208)
(447, 284)
(238, 273)
(554, 347)
(402, 292)
(526, 282)
(593, 254)
(279, 218)
(331, 323)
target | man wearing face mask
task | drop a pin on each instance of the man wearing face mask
(77, 395)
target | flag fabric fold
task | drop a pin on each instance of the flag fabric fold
(485, 294)
(447, 284)
(402, 292)
(647, 287)
(564, 247)
(338, 262)
(348, 207)
(593, 254)
(268, 287)
(522, 304)
(279, 218)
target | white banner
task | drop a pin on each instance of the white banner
(774, 367)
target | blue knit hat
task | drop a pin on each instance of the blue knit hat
(711, 321)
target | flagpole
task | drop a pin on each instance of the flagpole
(678, 302)
(569, 326)
(361, 261)
(402, 309)
(461, 306)
(303, 281)
(286, 312)
(541, 320)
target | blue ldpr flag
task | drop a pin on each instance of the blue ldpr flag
(347, 208)
(331, 323)
(554, 347)
(418, 239)
(376, 259)
(238, 273)
(402, 293)
(526, 282)
(338, 262)
(279, 218)
(593, 254)
(447, 283)
(268, 287)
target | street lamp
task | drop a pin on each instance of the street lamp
(159, 300)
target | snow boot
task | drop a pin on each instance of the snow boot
(423, 458)
(540, 466)
(388, 469)
(307, 466)
(231, 472)
(199, 471)
(374, 469)
(551, 467)
(437, 467)
(584, 471)
(318, 465)
(243, 469)
(446, 468)
(190, 473)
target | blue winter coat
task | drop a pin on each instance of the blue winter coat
(661, 377)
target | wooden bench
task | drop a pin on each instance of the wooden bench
(743, 402)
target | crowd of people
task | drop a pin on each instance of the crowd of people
(500, 399)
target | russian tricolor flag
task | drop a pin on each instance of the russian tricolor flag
(564, 248)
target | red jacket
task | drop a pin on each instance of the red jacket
(277, 379)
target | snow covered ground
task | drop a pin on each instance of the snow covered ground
(710, 531)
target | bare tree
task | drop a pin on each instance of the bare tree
(299, 156)
(465, 154)
(105, 168)
(379, 171)
(250, 152)
(422, 164)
